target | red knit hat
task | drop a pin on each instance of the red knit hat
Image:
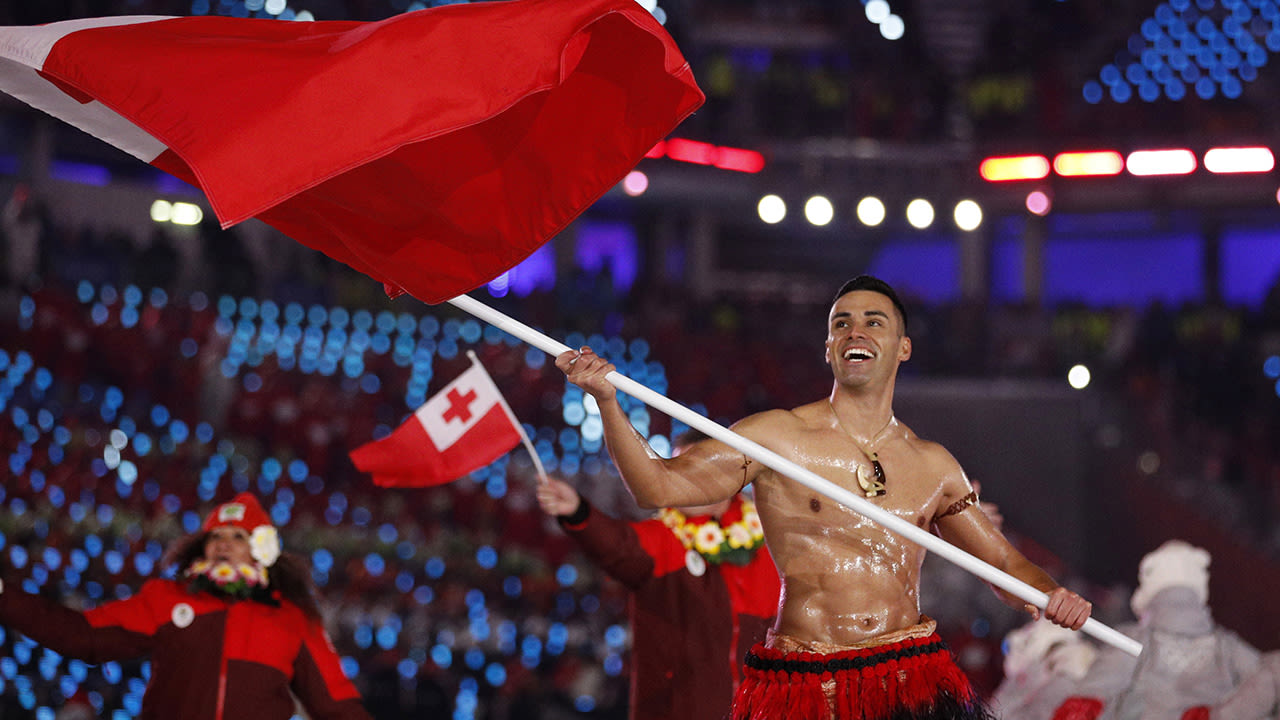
(246, 513)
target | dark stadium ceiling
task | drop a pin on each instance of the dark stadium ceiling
(837, 108)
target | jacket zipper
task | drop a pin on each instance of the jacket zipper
(222, 667)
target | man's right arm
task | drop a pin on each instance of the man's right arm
(707, 472)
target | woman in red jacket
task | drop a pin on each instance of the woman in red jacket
(236, 634)
(704, 589)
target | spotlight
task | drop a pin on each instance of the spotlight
(772, 209)
(920, 213)
(819, 211)
(968, 215)
(870, 211)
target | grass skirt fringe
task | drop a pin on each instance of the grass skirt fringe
(914, 679)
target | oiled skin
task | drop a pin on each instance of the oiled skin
(845, 579)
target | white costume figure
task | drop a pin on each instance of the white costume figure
(1257, 698)
(1187, 659)
(1043, 666)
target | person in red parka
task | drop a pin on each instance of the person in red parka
(704, 589)
(236, 635)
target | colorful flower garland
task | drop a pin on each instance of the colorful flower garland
(737, 543)
(239, 581)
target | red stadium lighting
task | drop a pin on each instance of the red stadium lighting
(700, 153)
(1161, 162)
(1017, 167)
(748, 161)
(691, 151)
(1088, 164)
(1239, 160)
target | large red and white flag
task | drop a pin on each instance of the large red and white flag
(431, 151)
(465, 426)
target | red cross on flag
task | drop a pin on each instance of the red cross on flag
(465, 426)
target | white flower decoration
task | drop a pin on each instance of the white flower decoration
(264, 545)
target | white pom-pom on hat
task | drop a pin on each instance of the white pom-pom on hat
(1176, 563)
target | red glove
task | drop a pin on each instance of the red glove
(1078, 708)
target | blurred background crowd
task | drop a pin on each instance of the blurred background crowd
(149, 370)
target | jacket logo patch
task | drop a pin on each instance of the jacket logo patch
(694, 562)
(182, 615)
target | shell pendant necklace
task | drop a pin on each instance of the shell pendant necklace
(875, 484)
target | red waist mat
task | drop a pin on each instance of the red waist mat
(915, 678)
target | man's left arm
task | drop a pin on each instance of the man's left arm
(961, 522)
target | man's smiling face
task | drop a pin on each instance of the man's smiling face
(864, 337)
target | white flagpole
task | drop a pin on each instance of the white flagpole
(801, 475)
(524, 437)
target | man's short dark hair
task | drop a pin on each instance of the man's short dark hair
(874, 284)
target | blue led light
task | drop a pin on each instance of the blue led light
(566, 574)
(615, 636)
(613, 665)
(487, 557)
(1151, 30)
(1271, 367)
(495, 674)
(317, 315)
(387, 533)
(387, 637)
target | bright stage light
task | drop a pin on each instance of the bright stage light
(819, 211)
(1239, 160)
(968, 215)
(635, 183)
(920, 213)
(162, 211)
(1018, 167)
(1177, 161)
(772, 209)
(187, 214)
(1079, 164)
(1038, 203)
(1078, 377)
(892, 28)
(876, 11)
(870, 211)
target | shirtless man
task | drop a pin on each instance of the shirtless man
(849, 640)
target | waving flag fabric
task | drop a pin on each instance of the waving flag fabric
(431, 151)
(465, 426)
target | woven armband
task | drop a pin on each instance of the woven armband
(959, 506)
